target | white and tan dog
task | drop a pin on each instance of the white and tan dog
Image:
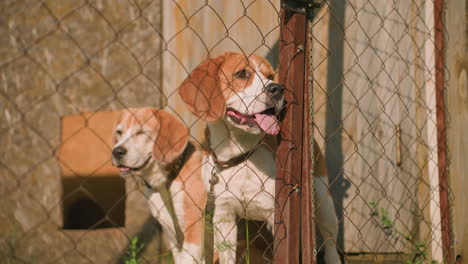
(240, 101)
(152, 146)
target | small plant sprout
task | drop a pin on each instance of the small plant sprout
(133, 251)
(419, 254)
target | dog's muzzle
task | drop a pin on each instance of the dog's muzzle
(275, 91)
(119, 152)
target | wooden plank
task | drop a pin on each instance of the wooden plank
(457, 107)
(424, 232)
(431, 129)
(289, 152)
(364, 88)
(444, 205)
(376, 258)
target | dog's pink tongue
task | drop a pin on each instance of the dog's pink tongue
(123, 169)
(267, 123)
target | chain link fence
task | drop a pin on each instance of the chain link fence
(68, 68)
(375, 118)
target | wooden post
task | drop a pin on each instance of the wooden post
(456, 62)
(290, 159)
(442, 131)
(431, 130)
(437, 135)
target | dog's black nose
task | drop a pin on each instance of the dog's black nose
(119, 152)
(275, 90)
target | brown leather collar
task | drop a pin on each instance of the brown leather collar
(222, 165)
(178, 164)
(175, 167)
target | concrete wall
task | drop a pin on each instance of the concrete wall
(59, 59)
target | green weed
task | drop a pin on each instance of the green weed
(133, 251)
(419, 254)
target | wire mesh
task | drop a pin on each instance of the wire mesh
(69, 67)
(375, 118)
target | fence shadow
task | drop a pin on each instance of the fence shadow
(333, 128)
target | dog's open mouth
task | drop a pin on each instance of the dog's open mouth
(265, 120)
(128, 170)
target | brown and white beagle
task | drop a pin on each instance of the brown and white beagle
(239, 99)
(152, 146)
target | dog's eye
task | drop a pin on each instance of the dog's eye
(118, 132)
(242, 74)
(140, 132)
(271, 77)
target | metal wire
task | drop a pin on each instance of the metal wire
(68, 67)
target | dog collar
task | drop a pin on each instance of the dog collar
(175, 167)
(222, 165)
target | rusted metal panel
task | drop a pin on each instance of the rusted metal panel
(309, 158)
(290, 151)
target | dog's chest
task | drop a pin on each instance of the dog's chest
(248, 187)
(160, 212)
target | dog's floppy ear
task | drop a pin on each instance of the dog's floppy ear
(201, 90)
(171, 137)
(117, 122)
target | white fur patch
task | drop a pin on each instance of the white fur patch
(253, 99)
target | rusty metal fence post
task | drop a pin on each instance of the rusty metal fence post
(294, 226)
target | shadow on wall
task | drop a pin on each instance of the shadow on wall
(93, 202)
(273, 55)
(333, 130)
